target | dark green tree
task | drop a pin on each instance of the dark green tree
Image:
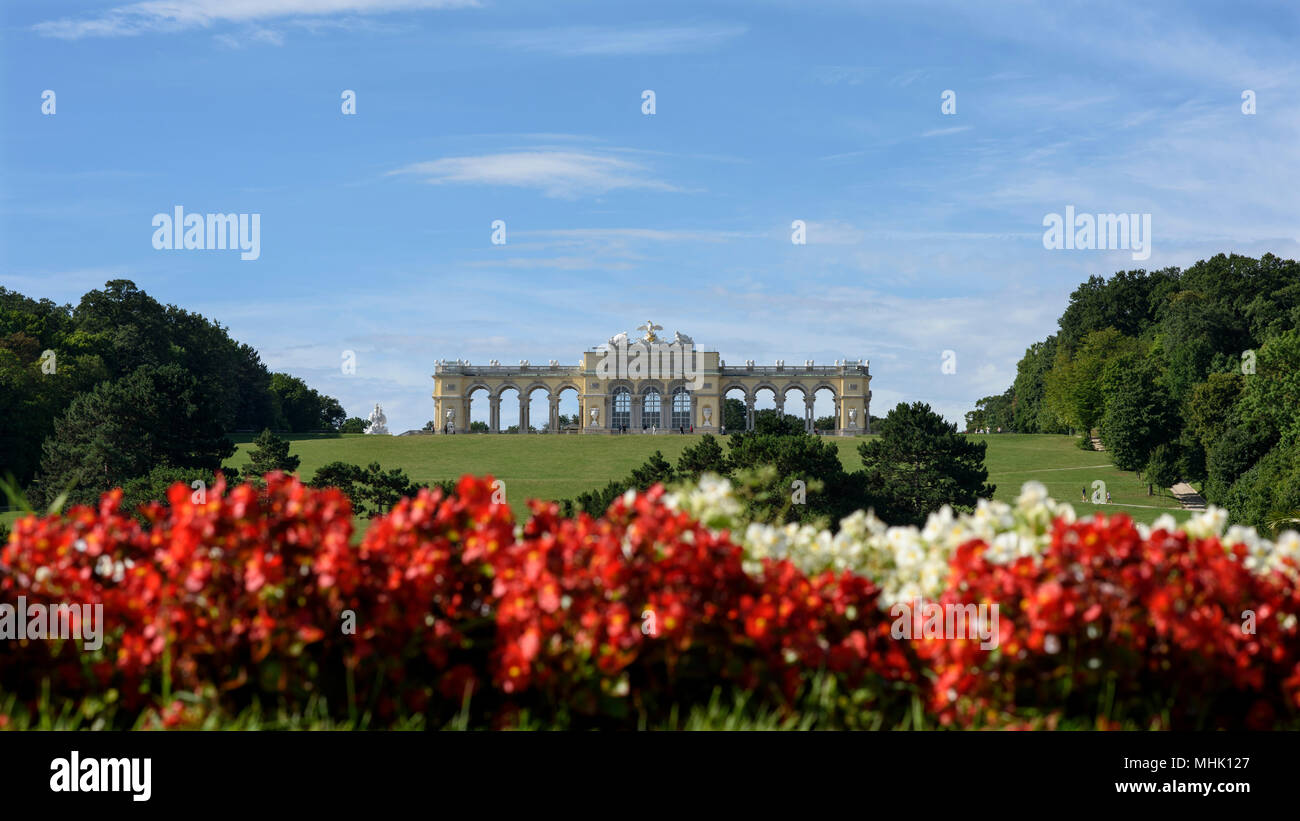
(124, 429)
(919, 463)
(1138, 414)
(373, 490)
(268, 453)
(778, 424)
(356, 424)
(768, 465)
(1162, 467)
(733, 415)
(706, 456)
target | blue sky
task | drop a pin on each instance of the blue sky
(924, 229)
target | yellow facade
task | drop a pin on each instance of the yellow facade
(649, 384)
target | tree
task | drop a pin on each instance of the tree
(154, 485)
(1074, 382)
(125, 428)
(1231, 457)
(779, 424)
(1161, 469)
(1127, 302)
(1138, 412)
(766, 467)
(733, 415)
(1030, 413)
(372, 490)
(706, 456)
(1209, 408)
(919, 463)
(992, 412)
(826, 423)
(656, 470)
(355, 424)
(1272, 394)
(269, 453)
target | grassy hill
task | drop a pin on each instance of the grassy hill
(556, 467)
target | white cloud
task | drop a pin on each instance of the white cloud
(178, 15)
(587, 41)
(251, 37)
(556, 173)
(940, 132)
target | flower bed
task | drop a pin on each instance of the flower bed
(448, 607)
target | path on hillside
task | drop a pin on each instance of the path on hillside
(1188, 497)
(1047, 470)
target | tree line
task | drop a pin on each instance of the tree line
(1187, 375)
(99, 394)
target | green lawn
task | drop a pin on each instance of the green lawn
(556, 467)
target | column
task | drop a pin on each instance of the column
(809, 419)
(554, 423)
(749, 413)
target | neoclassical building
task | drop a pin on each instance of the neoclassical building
(651, 383)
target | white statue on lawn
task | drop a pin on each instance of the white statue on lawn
(378, 422)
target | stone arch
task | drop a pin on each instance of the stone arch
(506, 385)
(734, 385)
(824, 406)
(799, 408)
(506, 409)
(570, 407)
(535, 414)
(480, 412)
(745, 399)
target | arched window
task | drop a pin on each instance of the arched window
(681, 408)
(650, 410)
(622, 409)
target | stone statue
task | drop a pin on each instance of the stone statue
(682, 339)
(451, 420)
(708, 416)
(378, 422)
(594, 413)
(618, 340)
(650, 327)
(853, 417)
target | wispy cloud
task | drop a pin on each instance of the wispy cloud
(251, 37)
(179, 15)
(941, 132)
(842, 75)
(585, 41)
(565, 174)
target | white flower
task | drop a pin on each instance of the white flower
(1032, 494)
